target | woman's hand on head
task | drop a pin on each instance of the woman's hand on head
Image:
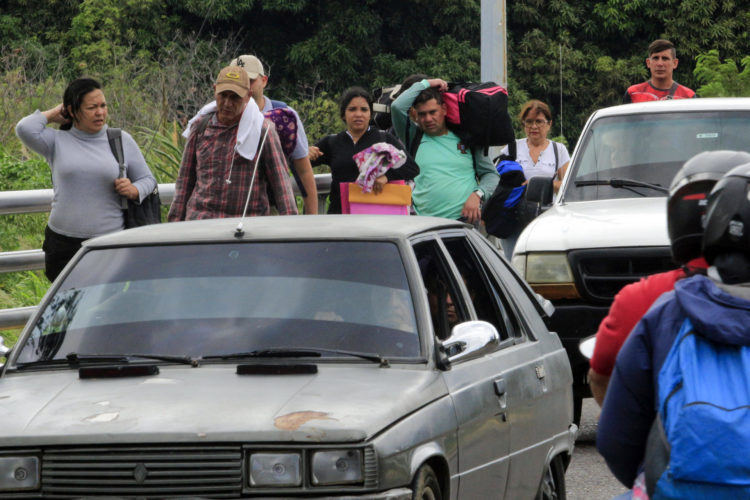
(125, 188)
(55, 115)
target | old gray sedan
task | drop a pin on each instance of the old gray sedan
(375, 357)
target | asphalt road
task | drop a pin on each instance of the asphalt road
(588, 477)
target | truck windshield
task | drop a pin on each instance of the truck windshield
(634, 155)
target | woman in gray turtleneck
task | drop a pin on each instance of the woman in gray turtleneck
(87, 191)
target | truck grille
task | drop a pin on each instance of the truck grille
(601, 273)
(161, 472)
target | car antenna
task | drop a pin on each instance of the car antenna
(239, 232)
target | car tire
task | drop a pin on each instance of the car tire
(553, 481)
(425, 485)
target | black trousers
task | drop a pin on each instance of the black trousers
(58, 250)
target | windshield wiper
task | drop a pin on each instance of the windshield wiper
(622, 183)
(297, 352)
(74, 359)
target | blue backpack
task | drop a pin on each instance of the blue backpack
(699, 445)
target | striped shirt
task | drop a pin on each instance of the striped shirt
(202, 190)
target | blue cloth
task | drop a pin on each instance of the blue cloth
(630, 404)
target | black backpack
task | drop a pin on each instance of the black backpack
(479, 113)
(381, 106)
(507, 211)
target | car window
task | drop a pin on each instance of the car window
(447, 306)
(486, 295)
(521, 301)
(212, 299)
(648, 147)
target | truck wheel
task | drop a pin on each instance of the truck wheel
(425, 485)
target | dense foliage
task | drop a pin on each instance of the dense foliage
(157, 60)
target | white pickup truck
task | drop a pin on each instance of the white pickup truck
(607, 227)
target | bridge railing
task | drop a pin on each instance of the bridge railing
(40, 200)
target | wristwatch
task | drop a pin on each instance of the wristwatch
(479, 193)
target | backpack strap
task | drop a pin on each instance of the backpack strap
(672, 90)
(413, 145)
(114, 136)
(557, 158)
(203, 124)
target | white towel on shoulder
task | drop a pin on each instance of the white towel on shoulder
(248, 130)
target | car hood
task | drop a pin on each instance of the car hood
(597, 224)
(211, 403)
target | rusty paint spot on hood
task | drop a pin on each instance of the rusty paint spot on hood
(293, 421)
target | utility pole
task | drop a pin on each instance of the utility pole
(493, 46)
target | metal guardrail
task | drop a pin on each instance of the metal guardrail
(40, 200)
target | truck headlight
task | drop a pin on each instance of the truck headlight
(275, 469)
(519, 262)
(549, 274)
(19, 473)
(337, 467)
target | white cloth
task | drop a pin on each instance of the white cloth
(545, 165)
(248, 130)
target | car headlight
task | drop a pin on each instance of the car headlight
(337, 467)
(275, 469)
(549, 274)
(19, 473)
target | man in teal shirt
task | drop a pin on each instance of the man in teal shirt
(453, 179)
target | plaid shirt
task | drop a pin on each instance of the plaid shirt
(201, 190)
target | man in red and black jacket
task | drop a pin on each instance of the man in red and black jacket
(662, 61)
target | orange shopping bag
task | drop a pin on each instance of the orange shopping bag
(395, 199)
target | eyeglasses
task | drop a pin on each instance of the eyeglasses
(538, 122)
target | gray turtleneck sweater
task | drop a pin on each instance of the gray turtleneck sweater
(85, 203)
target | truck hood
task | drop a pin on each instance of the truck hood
(341, 403)
(595, 224)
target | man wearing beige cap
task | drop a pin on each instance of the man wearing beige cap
(299, 160)
(224, 149)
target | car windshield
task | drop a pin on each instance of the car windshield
(637, 155)
(214, 299)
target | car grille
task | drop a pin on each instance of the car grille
(157, 471)
(601, 273)
(160, 472)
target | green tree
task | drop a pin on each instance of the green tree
(722, 79)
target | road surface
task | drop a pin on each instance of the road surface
(588, 477)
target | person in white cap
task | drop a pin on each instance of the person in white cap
(231, 152)
(299, 161)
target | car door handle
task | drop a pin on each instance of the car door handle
(502, 397)
(500, 387)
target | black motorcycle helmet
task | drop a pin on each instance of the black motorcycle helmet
(726, 237)
(688, 195)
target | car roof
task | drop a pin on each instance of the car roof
(672, 105)
(293, 227)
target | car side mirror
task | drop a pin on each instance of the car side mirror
(540, 190)
(470, 339)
